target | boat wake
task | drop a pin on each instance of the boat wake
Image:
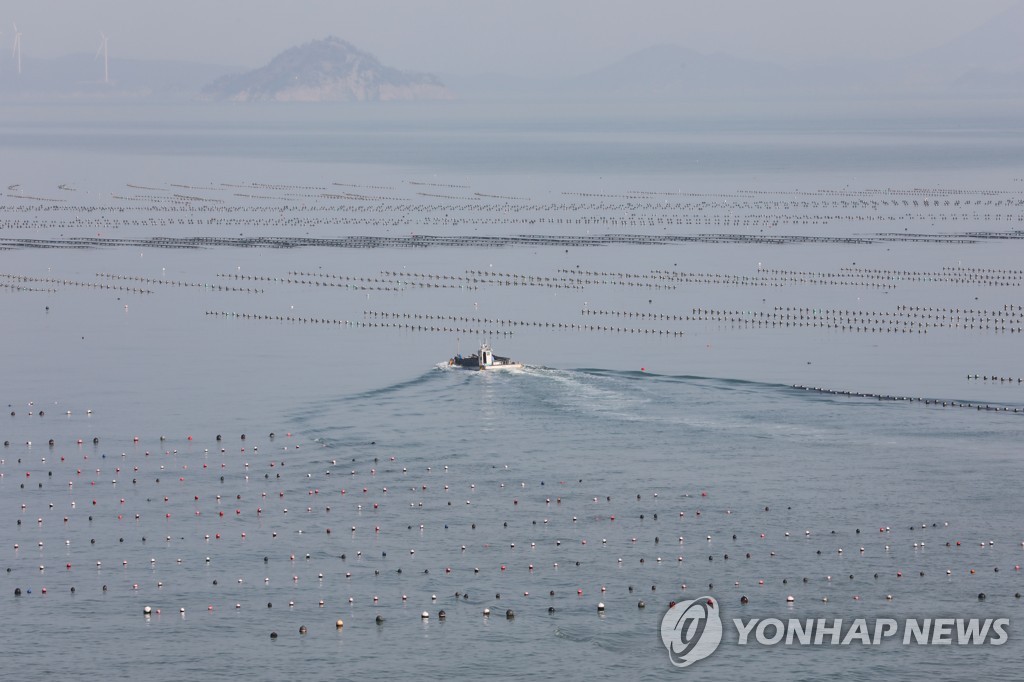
(445, 396)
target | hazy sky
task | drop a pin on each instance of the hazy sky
(518, 37)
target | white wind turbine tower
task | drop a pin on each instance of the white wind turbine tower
(16, 50)
(103, 49)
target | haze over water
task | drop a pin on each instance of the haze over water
(730, 328)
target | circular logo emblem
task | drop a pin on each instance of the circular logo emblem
(691, 631)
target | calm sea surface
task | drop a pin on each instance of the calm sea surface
(750, 354)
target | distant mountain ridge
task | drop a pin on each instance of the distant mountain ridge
(984, 64)
(329, 70)
(670, 71)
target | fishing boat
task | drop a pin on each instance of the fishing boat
(484, 359)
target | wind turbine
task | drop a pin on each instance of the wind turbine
(16, 50)
(103, 49)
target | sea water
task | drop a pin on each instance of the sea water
(697, 414)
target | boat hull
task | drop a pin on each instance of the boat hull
(473, 364)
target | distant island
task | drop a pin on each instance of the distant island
(329, 70)
(982, 69)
